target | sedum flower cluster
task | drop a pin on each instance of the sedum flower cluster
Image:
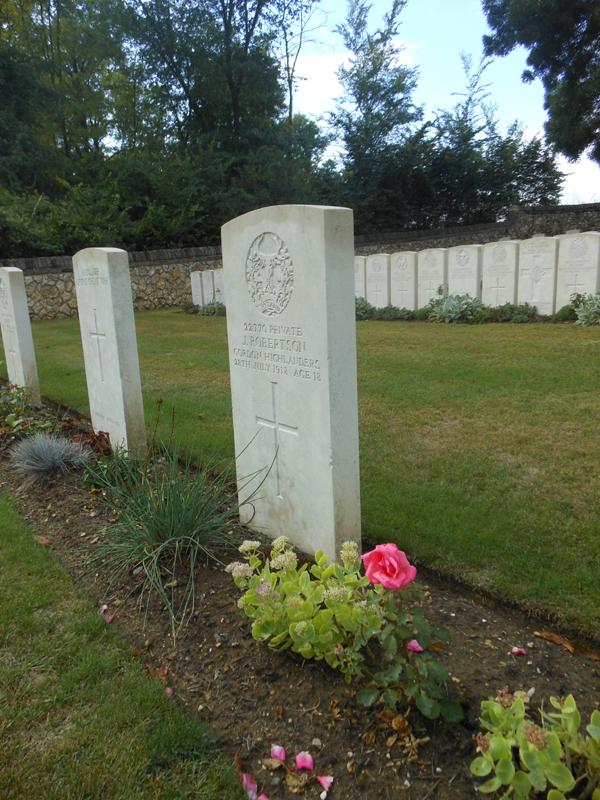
(358, 624)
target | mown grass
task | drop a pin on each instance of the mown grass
(479, 445)
(79, 719)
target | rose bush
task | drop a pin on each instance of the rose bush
(358, 624)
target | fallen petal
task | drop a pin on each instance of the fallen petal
(278, 752)
(414, 647)
(262, 797)
(170, 691)
(325, 781)
(518, 651)
(94, 540)
(304, 760)
(249, 785)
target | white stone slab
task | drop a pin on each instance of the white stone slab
(16, 333)
(289, 284)
(197, 292)
(464, 270)
(578, 266)
(378, 280)
(104, 301)
(432, 274)
(219, 286)
(537, 273)
(499, 273)
(360, 285)
(403, 280)
(208, 286)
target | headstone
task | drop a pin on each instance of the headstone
(16, 333)
(104, 301)
(464, 270)
(218, 285)
(499, 273)
(292, 355)
(432, 274)
(197, 293)
(403, 280)
(537, 273)
(360, 266)
(208, 286)
(578, 266)
(378, 280)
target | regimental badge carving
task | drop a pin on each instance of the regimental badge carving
(401, 263)
(499, 254)
(269, 274)
(578, 247)
(463, 257)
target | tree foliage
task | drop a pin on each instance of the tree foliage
(563, 39)
(148, 123)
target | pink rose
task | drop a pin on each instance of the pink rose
(388, 566)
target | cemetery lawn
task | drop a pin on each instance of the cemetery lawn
(78, 716)
(479, 444)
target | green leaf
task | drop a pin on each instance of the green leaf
(521, 783)
(560, 776)
(480, 767)
(505, 770)
(368, 696)
(429, 707)
(553, 794)
(490, 786)
(451, 711)
(594, 727)
(499, 748)
(537, 779)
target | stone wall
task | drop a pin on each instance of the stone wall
(160, 278)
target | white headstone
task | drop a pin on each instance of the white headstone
(292, 353)
(499, 273)
(537, 273)
(432, 274)
(360, 266)
(219, 288)
(104, 301)
(197, 293)
(403, 280)
(16, 333)
(578, 266)
(208, 286)
(464, 270)
(378, 280)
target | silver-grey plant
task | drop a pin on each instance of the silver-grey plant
(588, 311)
(41, 454)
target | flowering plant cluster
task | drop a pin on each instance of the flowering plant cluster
(358, 624)
(523, 760)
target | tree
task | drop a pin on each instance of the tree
(376, 112)
(563, 39)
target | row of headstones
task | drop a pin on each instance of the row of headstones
(105, 306)
(543, 271)
(207, 287)
(292, 354)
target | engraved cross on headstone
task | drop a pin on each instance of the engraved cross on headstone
(95, 334)
(574, 286)
(377, 292)
(277, 427)
(497, 287)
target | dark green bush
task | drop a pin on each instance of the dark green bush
(566, 314)
(212, 310)
(422, 314)
(364, 310)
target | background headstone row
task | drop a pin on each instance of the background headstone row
(543, 271)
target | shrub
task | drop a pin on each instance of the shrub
(454, 308)
(364, 310)
(588, 312)
(390, 313)
(525, 759)
(422, 314)
(41, 454)
(169, 515)
(565, 314)
(212, 310)
(330, 612)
